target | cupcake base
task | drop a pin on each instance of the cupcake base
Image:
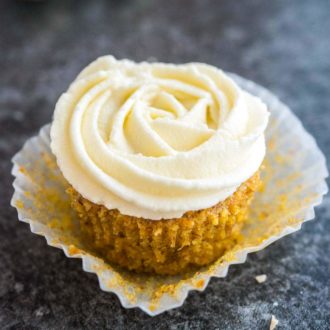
(165, 247)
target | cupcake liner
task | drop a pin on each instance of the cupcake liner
(294, 183)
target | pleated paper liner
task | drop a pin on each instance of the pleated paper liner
(294, 183)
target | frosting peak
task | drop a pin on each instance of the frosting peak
(157, 140)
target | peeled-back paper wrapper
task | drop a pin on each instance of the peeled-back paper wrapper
(294, 173)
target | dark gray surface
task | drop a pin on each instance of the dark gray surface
(283, 45)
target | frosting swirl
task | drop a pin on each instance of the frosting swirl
(157, 140)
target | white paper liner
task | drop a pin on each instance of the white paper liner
(294, 178)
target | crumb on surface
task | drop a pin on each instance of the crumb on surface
(273, 323)
(19, 204)
(73, 250)
(200, 283)
(261, 278)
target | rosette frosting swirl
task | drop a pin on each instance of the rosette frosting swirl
(156, 140)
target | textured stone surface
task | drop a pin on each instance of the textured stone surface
(283, 45)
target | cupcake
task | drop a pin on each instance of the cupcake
(162, 161)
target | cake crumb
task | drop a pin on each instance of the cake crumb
(273, 323)
(261, 278)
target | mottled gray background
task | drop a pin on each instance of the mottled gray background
(283, 45)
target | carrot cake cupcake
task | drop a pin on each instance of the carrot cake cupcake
(162, 160)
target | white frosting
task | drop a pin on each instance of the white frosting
(157, 140)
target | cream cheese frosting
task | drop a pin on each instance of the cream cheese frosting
(156, 140)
